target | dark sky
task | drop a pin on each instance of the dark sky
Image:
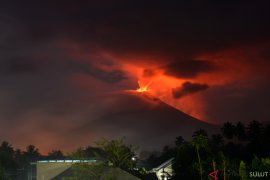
(60, 61)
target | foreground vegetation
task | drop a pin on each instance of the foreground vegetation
(235, 152)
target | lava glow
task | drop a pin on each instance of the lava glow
(143, 88)
(161, 85)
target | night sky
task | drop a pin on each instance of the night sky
(63, 62)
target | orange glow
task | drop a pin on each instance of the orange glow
(161, 85)
(143, 88)
(148, 72)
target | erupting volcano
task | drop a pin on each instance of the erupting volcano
(75, 71)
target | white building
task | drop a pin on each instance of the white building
(164, 171)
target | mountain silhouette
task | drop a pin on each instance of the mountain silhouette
(145, 121)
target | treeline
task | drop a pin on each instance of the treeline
(15, 161)
(237, 150)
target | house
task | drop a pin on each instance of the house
(164, 171)
(116, 173)
(48, 169)
(59, 169)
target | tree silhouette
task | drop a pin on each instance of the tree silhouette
(117, 153)
(2, 173)
(183, 162)
(240, 131)
(255, 138)
(179, 141)
(20, 159)
(228, 130)
(78, 153)
(56, 154)
(266, 140)
(216, 142)
(32, 152)
(91, 152)
(6, 155)
(199, 141)
(200, 132)
(255, 130)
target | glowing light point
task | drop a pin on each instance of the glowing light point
(143, 88)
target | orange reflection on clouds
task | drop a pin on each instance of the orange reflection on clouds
(161, 85)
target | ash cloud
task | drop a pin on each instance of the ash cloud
(108, 76)
(188, 69)
(188, 88)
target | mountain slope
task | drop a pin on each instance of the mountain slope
(144, 120)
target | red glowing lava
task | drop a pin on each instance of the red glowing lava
(143, 88)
